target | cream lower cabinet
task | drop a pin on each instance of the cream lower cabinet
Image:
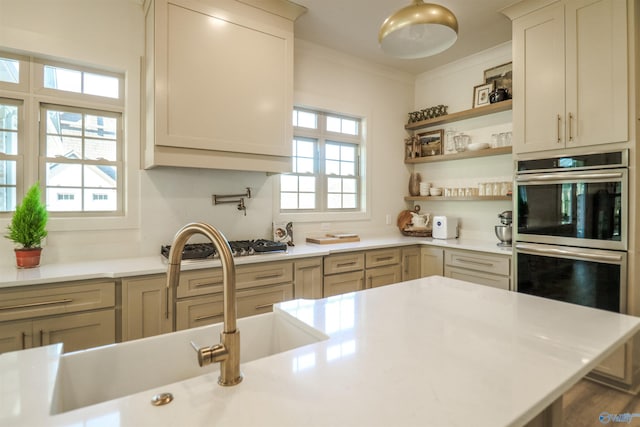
(478, 267)
(431, 261)
(307, 275)
(79, 314)
(410, 263)
(343, 273)
(147, 307)
(383, 267)
(570, 74)
(258, 287)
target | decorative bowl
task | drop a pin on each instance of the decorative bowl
(435, 191)
(477, 146)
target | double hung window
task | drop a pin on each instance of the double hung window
(326, 166)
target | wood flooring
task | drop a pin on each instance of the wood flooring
(583, 404)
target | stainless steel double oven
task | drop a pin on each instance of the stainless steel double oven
(571, 228)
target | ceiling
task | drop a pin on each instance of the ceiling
(351, 26)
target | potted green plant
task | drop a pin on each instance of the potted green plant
(28, 227)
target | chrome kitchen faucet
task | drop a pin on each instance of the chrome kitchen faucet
(227, 352)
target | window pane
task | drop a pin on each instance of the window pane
(349, 185)
(347, 169)
(304, 166)
(349, 201)
(332, 167)
(349, 126)
(333, 124)
(68, 147)
(62, 79)
(100, 176)
(100, 150)
(288, 183)
(308, 184)
(64, 199)
(100, 200)
(7, 172)
(334, 185)
(348, 153)
(100, 126)
(334, 201)
(64, 175)
(8, 117)
(9, 70)
(305, 119)
(307, 201)
(9, 142)
(306, 149)
(288, 200)
(95, 84)
(64, 123)
(332, 151)
(7, 199)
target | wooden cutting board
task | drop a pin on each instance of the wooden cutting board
(329, 240)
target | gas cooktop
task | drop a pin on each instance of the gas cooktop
(238, 248)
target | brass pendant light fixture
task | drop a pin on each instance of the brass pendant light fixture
(419, 30)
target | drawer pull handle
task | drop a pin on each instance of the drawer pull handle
(209, 316)
(384, 258)
(261, 306)
(346, 264)
(468, 261)
(24, 340)
(41, 337)
(268, 276)
(36, 304)
(204, 284)
(166, 303)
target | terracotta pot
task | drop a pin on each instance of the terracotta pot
(28, 258)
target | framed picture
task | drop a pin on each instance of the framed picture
(501, 76)
(431, 143)
(481, 94)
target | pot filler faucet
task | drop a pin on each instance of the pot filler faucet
(227, 352)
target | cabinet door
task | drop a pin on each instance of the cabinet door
(410, 263)
(383, 276)
(15, 336)
(261, 300)
(432, 261)
(146, 307)
(342, 283)
(77, 331)
(538, 80)
(308, 278)
(596, 81)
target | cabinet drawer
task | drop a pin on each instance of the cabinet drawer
(209, 310)
(342, 283)
(384, 276)
(501, 282)
(334, 264)
(200, 282)
(268, 273)
(487, 263)
(381, 257)
(44, 300)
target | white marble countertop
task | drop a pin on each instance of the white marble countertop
(128, 267)
(428, 352)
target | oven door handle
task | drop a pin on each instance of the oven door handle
(569, 175)
(574, 253)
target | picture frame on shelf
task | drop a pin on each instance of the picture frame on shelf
(501, 76)
(481, 94)
(431, 142)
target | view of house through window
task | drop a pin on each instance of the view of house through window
(326, 164)
(78, 153)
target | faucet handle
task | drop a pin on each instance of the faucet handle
(211, 354)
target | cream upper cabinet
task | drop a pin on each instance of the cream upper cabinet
(219, 86)
(570, 74)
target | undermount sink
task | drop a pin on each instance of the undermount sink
(97, 375)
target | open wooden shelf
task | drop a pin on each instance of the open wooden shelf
(464, 198)
(459, 156)
(461, 115)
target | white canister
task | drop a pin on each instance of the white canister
(424, 188)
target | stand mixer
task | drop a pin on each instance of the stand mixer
(503, 231)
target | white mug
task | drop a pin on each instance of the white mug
(424, 188)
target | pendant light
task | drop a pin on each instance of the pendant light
(419, 30)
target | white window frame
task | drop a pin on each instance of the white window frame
(19, 157)
(362, 212)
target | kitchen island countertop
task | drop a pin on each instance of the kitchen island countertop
(139, 266)
(428, 352)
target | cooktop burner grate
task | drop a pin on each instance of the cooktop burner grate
(238, 248)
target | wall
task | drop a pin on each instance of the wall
(452, 85)
(110, 34)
